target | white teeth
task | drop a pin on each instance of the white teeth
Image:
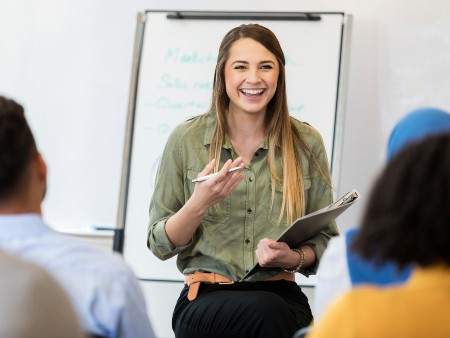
(252, 91)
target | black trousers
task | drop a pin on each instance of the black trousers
(272, 309)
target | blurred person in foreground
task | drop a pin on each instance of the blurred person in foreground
(29, 297)
(406, 221)
(341, 268)
(105, 292)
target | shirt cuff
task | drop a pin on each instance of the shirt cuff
(165, 247)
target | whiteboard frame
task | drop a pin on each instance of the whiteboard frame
(340, 105)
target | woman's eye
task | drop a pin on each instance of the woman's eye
(266, 67)
(239, 67)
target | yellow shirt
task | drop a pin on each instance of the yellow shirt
(419, 308)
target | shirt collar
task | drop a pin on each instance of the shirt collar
(21, 225)
(211, 124)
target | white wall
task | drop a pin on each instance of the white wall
(65, 56)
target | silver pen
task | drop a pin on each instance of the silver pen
(204, 178)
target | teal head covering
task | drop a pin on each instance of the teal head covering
(417, 125)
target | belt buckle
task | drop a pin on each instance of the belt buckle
(226, 282)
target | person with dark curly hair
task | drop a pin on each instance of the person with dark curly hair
(406, 221)
(341, 268)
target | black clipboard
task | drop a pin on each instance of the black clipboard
(308, 226)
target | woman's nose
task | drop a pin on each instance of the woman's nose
(253, 76)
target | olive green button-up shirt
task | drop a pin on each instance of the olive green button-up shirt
(226, 239)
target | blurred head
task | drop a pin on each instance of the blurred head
(407, 217)
(266, 38)
(17, 145)
(415, 126)
(22, 169)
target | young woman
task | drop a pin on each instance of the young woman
(220, 227)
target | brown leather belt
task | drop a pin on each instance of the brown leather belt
(194, 280)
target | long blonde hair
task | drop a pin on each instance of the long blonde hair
(277, 124)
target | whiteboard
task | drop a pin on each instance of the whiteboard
(172, 81)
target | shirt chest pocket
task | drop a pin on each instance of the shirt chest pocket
(275, 206)
(219, 212)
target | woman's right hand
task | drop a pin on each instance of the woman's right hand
(182, 225)
(215, 189)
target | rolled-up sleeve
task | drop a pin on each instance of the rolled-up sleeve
(168, 197)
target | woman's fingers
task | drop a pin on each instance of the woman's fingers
(216, 188)
(208, 169)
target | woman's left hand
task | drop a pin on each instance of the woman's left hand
(271, 253)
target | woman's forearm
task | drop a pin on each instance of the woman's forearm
(181, 227)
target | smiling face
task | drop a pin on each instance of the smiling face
(251, 74)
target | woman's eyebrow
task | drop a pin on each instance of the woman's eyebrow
(239, 61)
(246, 62)
(267, 61)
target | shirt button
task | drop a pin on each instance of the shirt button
(249, 211)
(256, 154)
(250, 179)
(247, 241)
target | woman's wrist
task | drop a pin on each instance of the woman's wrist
(297, 267)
